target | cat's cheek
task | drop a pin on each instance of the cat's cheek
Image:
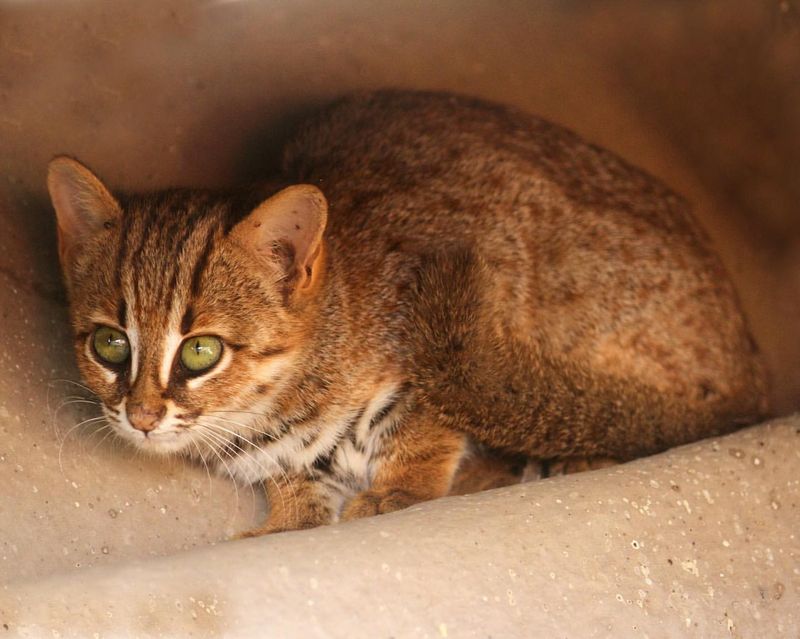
(103, 383)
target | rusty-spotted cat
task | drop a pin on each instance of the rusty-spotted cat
(430, 276)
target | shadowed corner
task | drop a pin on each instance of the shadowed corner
(30, 261)
(261, 150)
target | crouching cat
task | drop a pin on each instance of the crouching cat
(429, 277)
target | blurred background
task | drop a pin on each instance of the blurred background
(703, 94)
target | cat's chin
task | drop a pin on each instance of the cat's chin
(158, 443)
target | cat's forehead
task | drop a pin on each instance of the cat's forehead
(165, 245)
(167, 254)
(168, 218)
(170, 268)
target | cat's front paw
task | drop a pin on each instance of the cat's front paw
(377, 502)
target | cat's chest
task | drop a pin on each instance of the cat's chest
(342, 445)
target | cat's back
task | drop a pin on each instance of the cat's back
(588, 254)
(434, 168)
(438, 159)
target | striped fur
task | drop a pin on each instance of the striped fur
(485, 279)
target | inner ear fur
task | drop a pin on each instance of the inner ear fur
(287, 229)
(83, 205)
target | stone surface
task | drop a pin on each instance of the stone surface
(700, 541)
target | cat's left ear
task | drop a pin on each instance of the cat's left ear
(287, 229)
(83, 204)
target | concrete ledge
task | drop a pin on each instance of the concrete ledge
(699, 541)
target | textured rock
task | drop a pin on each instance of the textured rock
(700, 541)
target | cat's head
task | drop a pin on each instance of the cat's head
(188, 315)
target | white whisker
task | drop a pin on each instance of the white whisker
(205, 464)
(69, 381)
(247, 441)
(230, 455)
(205, 436)
(255, 429)
(64, 439)
(109, 431)
(267, 476)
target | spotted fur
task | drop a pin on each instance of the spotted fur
(454, 278)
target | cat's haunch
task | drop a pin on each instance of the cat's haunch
(440, 284)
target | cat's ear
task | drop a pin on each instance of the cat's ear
(83, 205)
(287, 229)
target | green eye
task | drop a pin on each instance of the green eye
(111, 345)
(201, 352)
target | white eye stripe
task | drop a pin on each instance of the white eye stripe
(172, 343)
(109, 375)
(133, 341)
(195, 382)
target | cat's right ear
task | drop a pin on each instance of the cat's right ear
(287, 231)
(83, 205)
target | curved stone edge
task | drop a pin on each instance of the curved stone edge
(703, 540)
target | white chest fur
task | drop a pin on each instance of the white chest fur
(349, 438)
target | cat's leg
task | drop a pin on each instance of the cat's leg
(418, 464)
(483, 469)
(570, 465)
(297, 502)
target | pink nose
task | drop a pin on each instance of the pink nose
(143, 417)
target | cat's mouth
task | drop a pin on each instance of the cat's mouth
(159, 440)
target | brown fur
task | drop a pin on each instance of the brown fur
(485, 279)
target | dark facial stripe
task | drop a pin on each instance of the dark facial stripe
(186, 227)
(309, 412)
(145, 220)
(387, 408)
(202, 262)
(272, 352)
(351, 429)
(187, 320)
(234, 447)
(148, 220)
(189, 415)
(263, 439)
(312, 383)
(322, 464)
(169, 391)
(183, 230)
(122, 312)
(172, 230)
(125, 228)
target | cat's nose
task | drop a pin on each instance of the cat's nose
(145, 417)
